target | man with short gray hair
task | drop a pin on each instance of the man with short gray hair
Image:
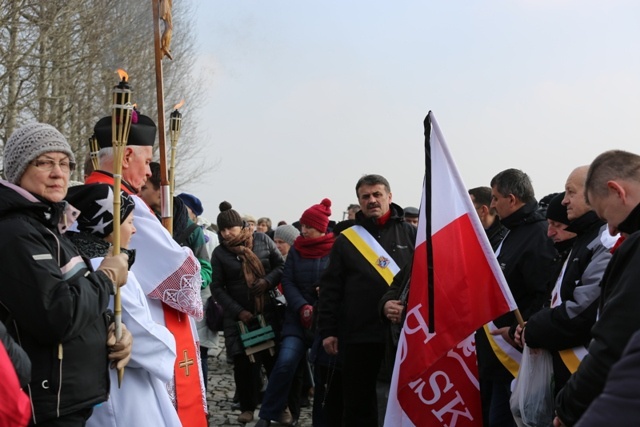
(526, 257)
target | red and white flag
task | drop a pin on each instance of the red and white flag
(435, 378)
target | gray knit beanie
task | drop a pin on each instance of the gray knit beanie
(287, 233)
(29, 142)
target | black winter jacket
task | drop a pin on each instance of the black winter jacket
(569, 324)
(53, 306)
(619, 319)
(617, 405)
(527, 261)
(350, 288)
(230, 289)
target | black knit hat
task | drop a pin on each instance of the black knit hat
(556, 211)
(95, 202)
(142, 132)
(228, 217)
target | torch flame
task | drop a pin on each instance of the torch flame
(123, 74)
(178, 105)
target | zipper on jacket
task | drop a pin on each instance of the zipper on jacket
(60, 353)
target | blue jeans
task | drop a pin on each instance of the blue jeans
(292, 350)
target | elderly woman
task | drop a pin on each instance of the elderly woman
(53, 304)
(246, 265)
(306, 261)
(143, 399)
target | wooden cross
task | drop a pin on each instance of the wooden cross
(186, 363)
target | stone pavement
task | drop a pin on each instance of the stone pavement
(220, 390)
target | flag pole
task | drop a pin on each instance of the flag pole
(427, 216)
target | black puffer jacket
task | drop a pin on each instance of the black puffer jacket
(619, 319)
(230, 289)
(350, 288)
(53, 306)
(527, 261)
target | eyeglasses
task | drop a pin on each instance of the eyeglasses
(47, 165)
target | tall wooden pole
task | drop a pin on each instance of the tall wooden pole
(166, 214)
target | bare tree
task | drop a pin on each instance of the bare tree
(58, 60)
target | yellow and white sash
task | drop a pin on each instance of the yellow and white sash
(372, 251)
(573, 356)
(506, 354)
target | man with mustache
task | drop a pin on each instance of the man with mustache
(351, 288)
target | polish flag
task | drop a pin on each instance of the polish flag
(435, 377)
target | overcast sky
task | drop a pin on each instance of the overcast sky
(304, 97)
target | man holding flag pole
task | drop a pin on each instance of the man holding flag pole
(456, 286)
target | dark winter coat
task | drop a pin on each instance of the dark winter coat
(617, 405)
(569, 324)
(54, 306)
(350, 288)
(619, 319)
(230, 288)
(299, 282)
(527, 261)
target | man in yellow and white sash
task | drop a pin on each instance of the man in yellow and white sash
(362, 264)
(565, 327)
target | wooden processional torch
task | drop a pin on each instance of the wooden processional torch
(94, 149)
(121, 111)
(175, 124)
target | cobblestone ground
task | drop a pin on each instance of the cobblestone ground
(220, 390)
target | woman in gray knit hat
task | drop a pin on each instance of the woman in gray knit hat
(53, 304)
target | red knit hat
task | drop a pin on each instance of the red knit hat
(317, 216)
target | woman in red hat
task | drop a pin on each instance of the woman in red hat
(305, 263)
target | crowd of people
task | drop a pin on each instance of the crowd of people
(314, 305)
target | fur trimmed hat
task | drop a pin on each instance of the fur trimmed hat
(28, 143)
(317, 216)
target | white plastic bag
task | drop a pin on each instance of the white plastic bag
(532, 398)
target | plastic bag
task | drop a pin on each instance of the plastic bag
(532, 400)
